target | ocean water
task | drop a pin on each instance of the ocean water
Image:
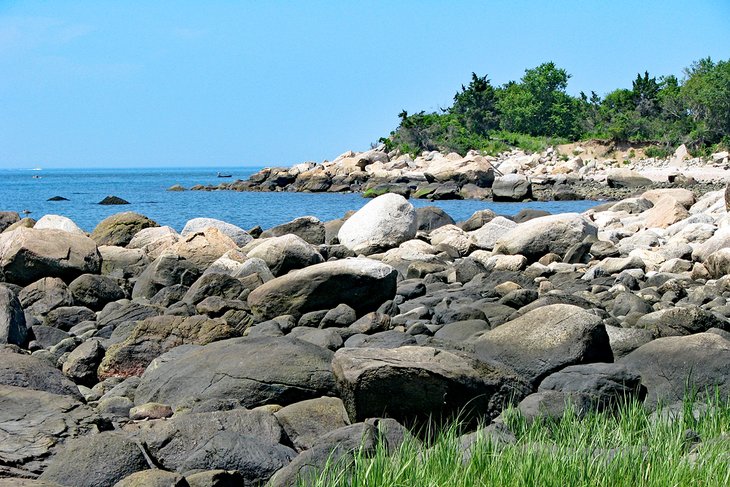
(146, 190)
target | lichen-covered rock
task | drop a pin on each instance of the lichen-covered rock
(119, 228)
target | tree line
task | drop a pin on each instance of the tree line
(537, 111)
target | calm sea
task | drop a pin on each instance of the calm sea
(146, 190)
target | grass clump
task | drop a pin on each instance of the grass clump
(688, 446)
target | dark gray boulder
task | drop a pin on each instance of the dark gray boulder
(113, 200)
(12, 319)
(213, 285)
(80, 365)
(47, 336)
(546, 340)
(44, 295)
(308, 228)
(383, 339)
(34, 423)
(432, 217)
(115, 314)
(421, 383)
(33, 373)
(65, 317)
(95, 291)
(673, 367)
(259, 371)
(94, 460)
(242, 440)
(363, 284)
(607, 385)
(168, 269)
(679, 321)
(334, 448)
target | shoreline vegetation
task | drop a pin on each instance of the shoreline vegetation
(663, 132)
(624, 447)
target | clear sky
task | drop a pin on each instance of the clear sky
(223, 83)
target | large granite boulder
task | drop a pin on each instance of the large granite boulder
(154, 336)
(155, 240)
(95, 460)
(626, 178)
(204, 247)
(420, 383)
(285, 253)
(255, 371)
(362, 284)
(673, 367)
(119, 228)
(28, 254)
(32, 425)
(665, 212)
(308, 228)
(511, 187)
(488, 234)
(383, 223)
(196, 225)
(545, 340)
(122, 263)
(12, 319)
(543, 235)
(58, 222)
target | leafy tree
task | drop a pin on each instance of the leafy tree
(475, 106)
(539, 105)
(707, 94)
(644, 93)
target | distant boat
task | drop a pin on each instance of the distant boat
(221, 175)
(36, 169)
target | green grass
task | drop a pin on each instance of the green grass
(627, 448)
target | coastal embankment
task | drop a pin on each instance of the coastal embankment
(593, 170)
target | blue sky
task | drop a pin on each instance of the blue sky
(223, 83)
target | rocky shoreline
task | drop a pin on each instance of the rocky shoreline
(594, 171)
(137, 355)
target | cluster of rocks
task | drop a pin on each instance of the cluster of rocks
(511, 176)
(138, 355)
